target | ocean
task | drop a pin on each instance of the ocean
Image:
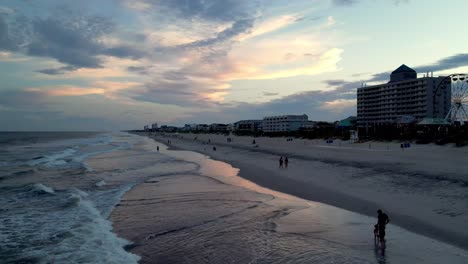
(53, 208)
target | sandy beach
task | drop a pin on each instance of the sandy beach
(423, 188)
(196, 209)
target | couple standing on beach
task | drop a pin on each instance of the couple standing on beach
(285, 161)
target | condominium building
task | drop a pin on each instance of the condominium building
(284, 123)
(248, 125)
(403, 95)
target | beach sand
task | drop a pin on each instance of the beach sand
(211, 215)
(423, 188)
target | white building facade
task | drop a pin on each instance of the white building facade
(404, 96)
(284, 123)
(248, 125)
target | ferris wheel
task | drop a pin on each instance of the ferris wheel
(458, 85)
(459, 107)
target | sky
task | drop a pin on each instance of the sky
(121, 64)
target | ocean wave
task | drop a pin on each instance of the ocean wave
(66, 227)
(42, 189)
(100, 183)
(54, 159)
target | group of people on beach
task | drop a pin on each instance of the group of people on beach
(284, 161)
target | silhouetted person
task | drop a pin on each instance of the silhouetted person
(382, 221)
(286, 162)
(157, 148)
(214, 148)
(281, 162)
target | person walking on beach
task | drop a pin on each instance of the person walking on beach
(286, 162)
(157, 148)
(281, 162)
(382, 221)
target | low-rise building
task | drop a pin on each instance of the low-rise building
(284, 123)
(168, 129)
(250, 125)
(218, 127)
(189, 127)
(202, 127)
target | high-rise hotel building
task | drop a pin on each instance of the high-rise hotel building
(404, 95)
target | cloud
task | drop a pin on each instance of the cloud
(269, 94)
(238, 27)
(451, 62)
(57, 71)
(333, 104)
(270, 25)
(73, 39)
(444, 64)
(213, 10)
(106, 88)
(6, 10)
(344, 2)
(353, 2)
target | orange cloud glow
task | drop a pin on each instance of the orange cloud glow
(106, 88)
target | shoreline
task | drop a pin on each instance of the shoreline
(212, 215)
(274, 180)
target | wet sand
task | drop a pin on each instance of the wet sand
(434, 205)
(210, 215)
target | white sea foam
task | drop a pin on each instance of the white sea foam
(41, 188)
(54, 159)
(100, 183)
(75, 233)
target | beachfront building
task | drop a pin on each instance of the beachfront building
(146, 128)
(218, 127)
(168, 129)
(202, 127)
(189, 127)
(154, 126)
(404, 95)
(250, 125)
(284, 123)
